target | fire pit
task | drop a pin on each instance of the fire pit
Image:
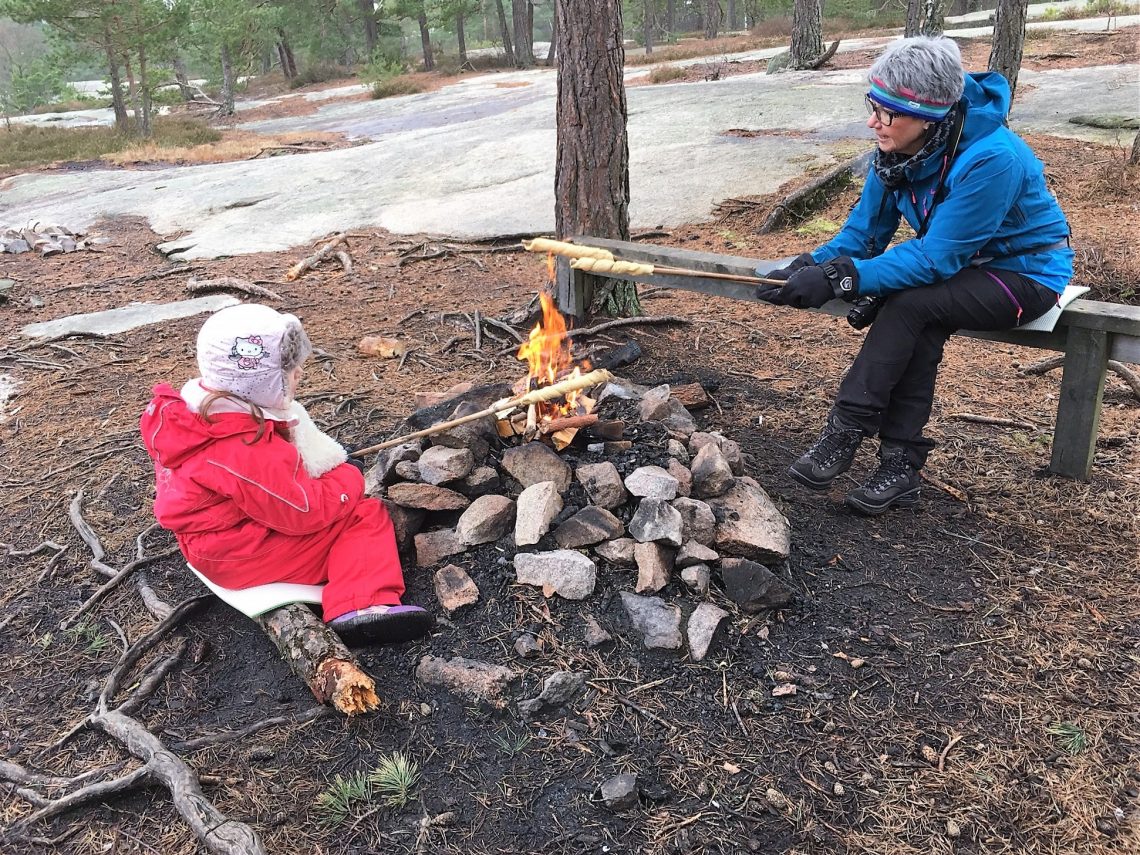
(585, 492)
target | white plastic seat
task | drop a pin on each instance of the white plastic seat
(252, 602)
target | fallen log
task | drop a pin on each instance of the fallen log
(802, 197)
(320, 658)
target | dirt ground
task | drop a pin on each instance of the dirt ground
(999, 622)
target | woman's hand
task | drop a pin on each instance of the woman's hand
(811, 287)
(798, 263)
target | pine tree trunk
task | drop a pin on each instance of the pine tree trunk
(712, 18)
(505, 31)
(461, 37)
(524, 40)
(731, 15)
(933, 13)
(144, 94)
(1008, 40)
(425, 41)
(288, 63)
(647, 25)
(122, 120)
(183, 80)
(671, 17)
(227, 82)
(807, 33)
(550, 53)
(913, 18)
(371, 32)
(1134, 158)
(591, 178)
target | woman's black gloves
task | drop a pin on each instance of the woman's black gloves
(810, 287)
(798, 263)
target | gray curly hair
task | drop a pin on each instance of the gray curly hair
(930, 67)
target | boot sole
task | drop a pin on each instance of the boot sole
(384, 629)
(815, 485)
(903, 500)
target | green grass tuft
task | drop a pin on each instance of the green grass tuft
(394, 779)
(1071, 736)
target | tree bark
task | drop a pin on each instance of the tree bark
(731, 20)
(524, 39)
(319, 657)
(508, 49)
(712, 18)
(227, 82)
(807, 33)
(1008, 40)
(183, 79)
(461, 37)
(288, 62)
(913, 18)
(371, 31)
(1134, 158)
(671, 17)
(122, 120)
(591, 178)
(647, 26)
(144, 94)
(553, 36)
(933, 12)
(425, 40)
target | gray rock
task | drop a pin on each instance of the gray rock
(651, 482)
(564, 572)
(753, 586)
(677, 449)
(479, 683)
(695, 553)
(750, 525)
(619, 552)
(595, 634)
(433, 546)
(538, 504)
(730, 448)
(454, 588)
(703, 623)
(684, 477)
(408, 470)
(534, 463)
(697, 576)
(657, 520)
(440, 464)
(558, 689)
(700, 439)
(658, 406)
(603, 484)
(476, 436)
(622, 389)
(481, 482)
(527, 646)
(589, 526)
(383, 471)
(654, 562)
(620, 792)
(698, 522)
(486, 520)
(428, 497)
(658, 622)
(712, 475)
(406, 524)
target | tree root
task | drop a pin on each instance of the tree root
(1130, 377)
(231, 283)
(803, 199)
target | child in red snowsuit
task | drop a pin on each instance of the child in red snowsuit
(255, 493)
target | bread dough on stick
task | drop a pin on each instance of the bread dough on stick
(603, 265)
(571, 250)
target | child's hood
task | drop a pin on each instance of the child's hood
(173, 433)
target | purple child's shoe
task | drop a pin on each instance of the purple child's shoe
(383, 625)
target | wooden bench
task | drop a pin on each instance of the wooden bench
(1089, 333)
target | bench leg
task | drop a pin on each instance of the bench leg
(1078, 411)
(571, 288)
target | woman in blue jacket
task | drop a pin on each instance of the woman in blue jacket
(990, 252)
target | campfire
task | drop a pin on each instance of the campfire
(547, 354)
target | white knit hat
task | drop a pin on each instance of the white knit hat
(248, 350)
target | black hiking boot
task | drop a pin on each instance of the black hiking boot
(894, 484)
(831, 455)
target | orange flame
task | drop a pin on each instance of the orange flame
(548, 357)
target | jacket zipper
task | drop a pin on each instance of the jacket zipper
(1008, 293)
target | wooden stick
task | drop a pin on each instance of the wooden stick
(567, 423)
(732, 277)
(535, 396)
(298, 269)
(634, 268)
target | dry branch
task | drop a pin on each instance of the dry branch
(803, 195)
(625, 322)
(1130, 377)
(229, 283)
(311, 714)
(305, 264)
(319, 657)
(991, 420)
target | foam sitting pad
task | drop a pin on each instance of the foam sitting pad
(256, 601)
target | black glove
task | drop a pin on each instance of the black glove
(798, 263)
(811, 287)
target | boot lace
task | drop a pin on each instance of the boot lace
(832, 446)
(892, 469)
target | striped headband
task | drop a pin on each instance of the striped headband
(907, 102)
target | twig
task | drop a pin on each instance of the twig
(954, 740)
(213, 739)
(111, 584)
(229, 283)
(305, 264)
(991, 420)
(505, 327)
(943, 486)
(625, 322)
(626, 702)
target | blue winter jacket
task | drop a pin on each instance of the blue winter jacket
(995, 205)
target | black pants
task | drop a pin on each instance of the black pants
(889, 389)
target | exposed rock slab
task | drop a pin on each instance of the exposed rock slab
(603, 484)
(590, 525)
(651, 482)
(454, 588)
(428, 497)
(657, 520)
(654, 563)
(698, 522)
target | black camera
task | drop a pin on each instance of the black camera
(864, 311)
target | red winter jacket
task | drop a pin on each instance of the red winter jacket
(226, 497)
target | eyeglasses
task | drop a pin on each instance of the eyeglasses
(882, 114)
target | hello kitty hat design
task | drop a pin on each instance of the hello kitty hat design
(247, 350)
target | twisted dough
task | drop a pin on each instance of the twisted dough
(602, 265)
(572, 250)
